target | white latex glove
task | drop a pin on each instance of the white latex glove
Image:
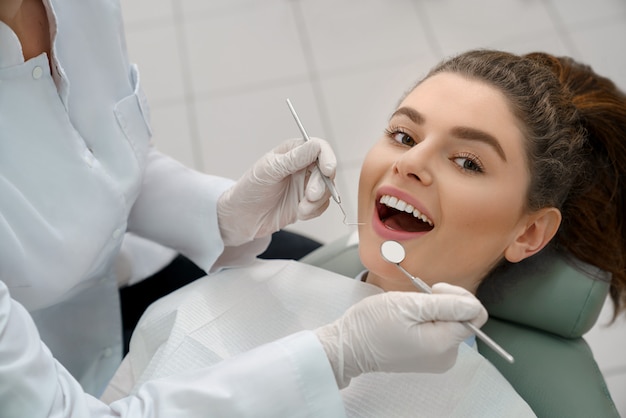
(401, 332)
(280, 188)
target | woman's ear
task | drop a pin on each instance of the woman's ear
(540, 228)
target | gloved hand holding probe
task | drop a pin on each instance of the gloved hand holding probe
(280, 188)
(401, 332)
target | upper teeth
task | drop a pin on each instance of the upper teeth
(394, 202)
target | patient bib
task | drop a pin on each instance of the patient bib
(233, 311)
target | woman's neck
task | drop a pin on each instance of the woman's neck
(29, 20)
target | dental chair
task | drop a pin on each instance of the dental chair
(545, 305)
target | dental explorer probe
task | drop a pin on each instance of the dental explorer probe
(394, 253)
(327, 180)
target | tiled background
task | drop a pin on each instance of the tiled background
(217, 73)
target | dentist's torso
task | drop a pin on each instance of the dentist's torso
(73, 141)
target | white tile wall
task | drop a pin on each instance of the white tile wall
(350, 35)
(242, 126)
(245, 48)
(459, 25)
(217, 73)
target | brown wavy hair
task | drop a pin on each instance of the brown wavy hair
(574, 121)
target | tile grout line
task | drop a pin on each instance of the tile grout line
(614, 371)
(314, 78)
(313, 74)
(561, 28)
(431, 37)
(188, 92)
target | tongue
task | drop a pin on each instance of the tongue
(402, 221)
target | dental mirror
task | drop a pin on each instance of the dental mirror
(392, 251)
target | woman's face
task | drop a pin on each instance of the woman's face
(454, 155)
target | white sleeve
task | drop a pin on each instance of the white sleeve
(177, 208)
(290, 377)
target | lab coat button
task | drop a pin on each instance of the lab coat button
(117, 233)
(108, 352)
(37, 72)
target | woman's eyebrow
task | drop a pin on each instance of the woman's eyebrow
(463, 132)
(411, 113)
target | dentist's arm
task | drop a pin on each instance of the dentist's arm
(217, 222)
(290, 377)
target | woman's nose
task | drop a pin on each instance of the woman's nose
(416, 163)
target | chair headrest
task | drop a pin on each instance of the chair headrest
(549, 291)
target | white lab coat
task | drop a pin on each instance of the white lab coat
(76, 171)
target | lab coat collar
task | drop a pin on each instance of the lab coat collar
(60, 79)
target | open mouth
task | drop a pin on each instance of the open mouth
(398, 215)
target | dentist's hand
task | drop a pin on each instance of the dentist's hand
(401, 332)
(280, 188)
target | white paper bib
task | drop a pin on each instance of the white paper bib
(233, 311)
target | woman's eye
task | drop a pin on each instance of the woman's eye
(469, 164)
(401, 138)
(404, 139)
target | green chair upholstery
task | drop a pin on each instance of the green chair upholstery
(547, 304)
